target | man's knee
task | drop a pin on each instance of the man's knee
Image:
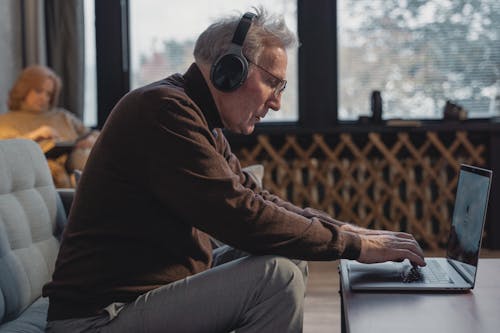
(303, 267)
(287, 274)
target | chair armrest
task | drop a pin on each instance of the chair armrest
(256, 171)
(66, 195)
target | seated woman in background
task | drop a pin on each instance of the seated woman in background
(33, 114)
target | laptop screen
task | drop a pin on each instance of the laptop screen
(468, 219)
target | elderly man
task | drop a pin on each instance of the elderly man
(136, 255)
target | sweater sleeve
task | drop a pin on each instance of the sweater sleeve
(8, 133)
(190, 175)
(76, 123)
(8, 128)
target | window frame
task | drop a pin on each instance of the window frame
(318, 86)
(112, 55)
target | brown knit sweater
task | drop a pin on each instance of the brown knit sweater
(159, 180)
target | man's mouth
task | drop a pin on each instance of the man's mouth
(259, 118)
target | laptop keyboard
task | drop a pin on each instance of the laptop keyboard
(432, 273)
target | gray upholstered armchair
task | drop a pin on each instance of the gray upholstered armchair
(32, 216)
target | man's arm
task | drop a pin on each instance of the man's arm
(376, 245)
(198, 184)
(192, 179)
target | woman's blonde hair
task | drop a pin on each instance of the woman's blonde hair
(33, 77)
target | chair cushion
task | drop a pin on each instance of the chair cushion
(33, 319)
(28, 211)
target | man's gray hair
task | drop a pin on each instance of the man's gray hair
(266, 31)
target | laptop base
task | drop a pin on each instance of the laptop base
(390, 276)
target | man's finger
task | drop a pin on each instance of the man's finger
(410, 244)
(407, 254)
(404, 235)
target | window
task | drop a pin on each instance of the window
(419, 54)
(90, 93)
(163, 33)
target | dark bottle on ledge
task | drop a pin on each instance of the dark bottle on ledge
(376, 106)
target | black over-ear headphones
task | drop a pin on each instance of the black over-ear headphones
(230, 70)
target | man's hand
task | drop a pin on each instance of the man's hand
(390, 246)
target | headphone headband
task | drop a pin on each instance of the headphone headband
(242, 28)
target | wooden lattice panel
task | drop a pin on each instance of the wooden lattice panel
(398, 184)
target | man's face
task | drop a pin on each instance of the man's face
(242, 109)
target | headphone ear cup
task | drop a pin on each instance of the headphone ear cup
(229, 72)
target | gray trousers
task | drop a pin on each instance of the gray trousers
(240, 293)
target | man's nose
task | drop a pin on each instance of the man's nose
(274, 102)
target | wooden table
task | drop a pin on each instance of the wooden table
(474, 311)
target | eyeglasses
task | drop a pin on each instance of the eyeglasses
(279, 85)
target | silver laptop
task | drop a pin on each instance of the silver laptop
(455, 272)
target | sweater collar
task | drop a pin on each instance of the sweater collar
(197, 89)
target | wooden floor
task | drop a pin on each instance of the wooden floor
(322, 303)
